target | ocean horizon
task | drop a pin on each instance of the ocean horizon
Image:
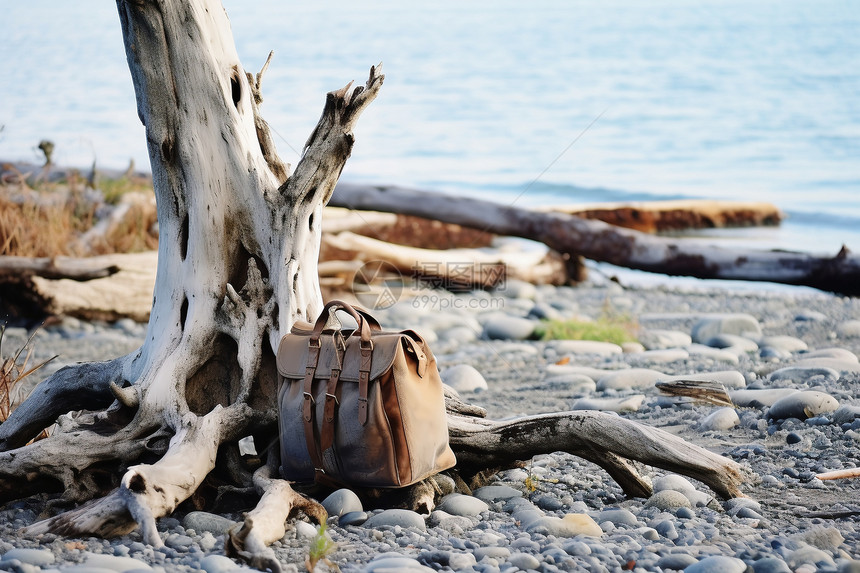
(532, 105)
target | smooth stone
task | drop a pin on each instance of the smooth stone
(784, 342)
(395, 563)
(662, 356)
(667, 500)
(732, 341)
(720, 419)
(573, 382)
(848, 329)
(352, 518)
(628, 379)
(585, 347)
(715, 354)
(728, 378)
(843, 365)
(846, 413)
(577, 548)
(500, 553)
(571, 370)
(802, 373)
(807, 315)
(618, 516)
(740, 324)
(666, 528)
(808, 554)
(770, 565)
(835, 352)
(178, 541)
(37, 557)
(305, 530)
(516, 288)
(462, 505)
(392, 517)
(632, 348)
(626, 404)
(657, 339)
(802, 405)
(544, 311)
(673, 482)
(341, 502)
(218, 564)
(676, 561)
(494, 493)
(464, 378)
(759, 397)
(583, 524)
(114, 563)
(524, 561)
(717, 564)
(824, 538)
(202, 521)
(505, 327)
(458, 334)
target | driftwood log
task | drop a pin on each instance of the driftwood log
(600, 241)
(237, 266)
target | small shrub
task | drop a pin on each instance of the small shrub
(609, 327)
(321, 547)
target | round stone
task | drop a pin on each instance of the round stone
(848, 329)
(505, 327)
(493, 493)
(720, 419)
(668, 500)
(218, 564)
(717, 564)
(657, 339)
(802, 405)
(585, 347)
(342, 501)
(464, 378)
(392, 517)
(352, 518)
(618, 516)
(630, 378)
(740, 324)
(37, 557)
(676, 561)
(626, 404)
(202, 521)
(464, 505)
(524, 561)
(770, 565)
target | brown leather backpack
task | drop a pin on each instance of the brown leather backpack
(361, 408)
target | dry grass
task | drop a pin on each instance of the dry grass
(12, 373)
(50, 219)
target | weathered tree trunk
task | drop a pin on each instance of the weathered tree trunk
(599, 241)
(237, 265)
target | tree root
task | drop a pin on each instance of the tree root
(602, 438)
(266, 523)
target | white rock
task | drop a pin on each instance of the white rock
(629, 378)
(464, 378)
(626, 404)
(720, 419)
(740, 324)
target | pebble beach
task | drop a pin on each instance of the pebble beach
(788, 359)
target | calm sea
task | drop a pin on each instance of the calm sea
(530, 103)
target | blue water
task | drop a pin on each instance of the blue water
(526, 103)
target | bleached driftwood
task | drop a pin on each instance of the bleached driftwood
(463, 268)
(600, 241)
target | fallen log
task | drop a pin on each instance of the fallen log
(678, 215)
(599, 241)
(454, 268)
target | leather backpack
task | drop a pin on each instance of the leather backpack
(359, 408)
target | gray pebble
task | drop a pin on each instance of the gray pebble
(341, 502)
(113, 563)
(807, 315)
(500, 553)
(394, 563)
(666, 528)
(618, 516)
(392, 517)
(505, 327)
(464, 378)
(676, 561)
(352, 518)
(625, 404)
(585, 347)
(629, 378)
(464, 505)
(802, 405)
(740, 324)
(770, 565)
(784, 342)
(661, 356)
(715, 354)
(524, 561)
(656, 339)
(37, 557)
(516, 288)
(720, 419)
(668, 500)
(732, 341)
(810, 555)
(218, 564)
(848, 329)
(728, 378)
(835, 352)
(494, 493)
(717, 564)
(201, 521)
(177, 541)
(759, 397)
(802, 373)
